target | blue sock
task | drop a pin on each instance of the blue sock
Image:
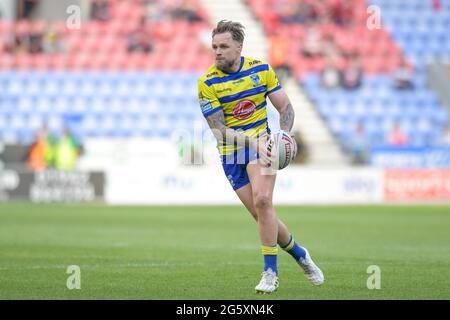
(270, 258)
(294, 249)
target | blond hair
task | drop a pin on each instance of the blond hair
(235, 28)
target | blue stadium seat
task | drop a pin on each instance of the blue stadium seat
(109, 103)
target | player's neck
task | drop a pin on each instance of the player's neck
(235, 67)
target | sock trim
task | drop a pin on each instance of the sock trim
(289, 245)
(269, 251)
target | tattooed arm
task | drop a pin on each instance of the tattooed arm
(287, 118)
(281, 102)
(216, 122)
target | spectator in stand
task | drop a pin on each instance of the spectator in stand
(67, 151)
(154, 10)
(358, 145)
(329, 47)
(304, 13)
(301, 13)
(26, 7)
(100, 10)
(341, 12)
(312, 44)
(24, 40)
(41, 152)
(140, 40)
(278, 55)
(330, 74)
(186, 10)
(50, 42)
(396, 137)
(403, 76)
(437, 5)
(19, 41)
(321, 12)
(36, 39)
(285, 12)
(351, 76)
(445, 138)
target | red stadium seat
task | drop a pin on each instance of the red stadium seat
(37, 27)
(135, 61)
(23, 61)
(87, 47)
(117, 61)
(41, 61)
(60, 27)
(23, 25)
(7, 61)
(6, 27)
(297, 32)
(57, 61)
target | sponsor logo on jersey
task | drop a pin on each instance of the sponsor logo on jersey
(223, 90)
(212, 74)
(238, 81)
(205, 105)
(251, 63)
(244, 109)
(255, 79)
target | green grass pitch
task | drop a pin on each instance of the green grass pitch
(214, 253)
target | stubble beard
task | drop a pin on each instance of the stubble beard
(226, 66)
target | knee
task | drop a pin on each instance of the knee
(262, 202)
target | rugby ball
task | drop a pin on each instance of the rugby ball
(282, 147)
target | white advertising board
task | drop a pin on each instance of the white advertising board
(200, 185)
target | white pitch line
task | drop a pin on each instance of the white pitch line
(106, 265)
(124, 265)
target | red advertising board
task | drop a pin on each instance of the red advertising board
(425, 184)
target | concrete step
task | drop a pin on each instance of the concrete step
(236, 10)
(323, 147)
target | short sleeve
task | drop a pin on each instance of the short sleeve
(272, 81)
(207, 99)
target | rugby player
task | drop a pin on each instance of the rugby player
(232, 96)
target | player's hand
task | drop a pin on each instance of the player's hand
(264, 153)
(295, 145)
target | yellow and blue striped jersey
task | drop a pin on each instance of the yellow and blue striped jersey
(241, 96)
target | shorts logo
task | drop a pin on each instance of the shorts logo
(205, 105)
(255, 79)
(230, 178)
(244, 109)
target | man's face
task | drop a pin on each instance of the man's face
(226, 51)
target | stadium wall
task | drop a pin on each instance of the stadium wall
(7, 10)
(151, 171)
(51, 186)
(207, 185)
(294, 186)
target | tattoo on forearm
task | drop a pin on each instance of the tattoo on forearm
(216, 122)
(224, 134)
(287, 118)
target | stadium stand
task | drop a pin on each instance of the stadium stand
(412, 33)
(105, 79)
